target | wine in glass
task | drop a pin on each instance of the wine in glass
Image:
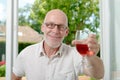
(82, 48)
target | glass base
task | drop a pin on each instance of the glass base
(84, 77)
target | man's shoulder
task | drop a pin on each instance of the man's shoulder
(69, 50)
(31, 48)
(67, 47)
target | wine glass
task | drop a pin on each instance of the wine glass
(82, 48)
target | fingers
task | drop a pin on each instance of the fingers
(93, 43)
(94, 48)
(92, 36)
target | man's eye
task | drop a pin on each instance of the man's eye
(47, 24)
(62, 26)
(51, 24)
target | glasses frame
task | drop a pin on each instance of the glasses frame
(61, 27)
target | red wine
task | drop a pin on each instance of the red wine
(82, 49)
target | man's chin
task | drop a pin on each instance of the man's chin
(54, 46)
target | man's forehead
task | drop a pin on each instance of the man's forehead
(56, 11)
(56, 14)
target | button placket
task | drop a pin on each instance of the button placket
(49, 70)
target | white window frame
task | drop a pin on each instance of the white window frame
(105, 39)
(11, 36)
(108, 36)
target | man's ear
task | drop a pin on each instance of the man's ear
(42, 28)
(67, 31)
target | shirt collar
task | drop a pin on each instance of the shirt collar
(41, 51)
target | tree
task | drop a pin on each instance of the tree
(81, 14)
(23, 15)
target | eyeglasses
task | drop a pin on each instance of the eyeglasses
(59, 26)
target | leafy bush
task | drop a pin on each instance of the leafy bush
(2, 71)
(2, 49)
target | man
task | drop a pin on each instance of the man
(53, 60)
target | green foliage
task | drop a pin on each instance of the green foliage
(2, 48)
(2, 71)
(93, 79)
(81, 14)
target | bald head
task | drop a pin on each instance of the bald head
(56, 15)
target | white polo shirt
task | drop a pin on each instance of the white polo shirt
(35, 65)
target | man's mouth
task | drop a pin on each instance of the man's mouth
(55, 36)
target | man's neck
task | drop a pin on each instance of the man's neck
(49, 51)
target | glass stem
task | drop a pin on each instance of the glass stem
(82, 65)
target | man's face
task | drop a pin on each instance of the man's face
(54, 29)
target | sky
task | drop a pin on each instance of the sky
(3, 7)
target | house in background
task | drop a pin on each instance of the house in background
(2, 33)
(25, 35)
(29, 35)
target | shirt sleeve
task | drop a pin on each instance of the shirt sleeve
(18, 68)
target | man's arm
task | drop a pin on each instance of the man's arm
(14, 77)
(94, 67)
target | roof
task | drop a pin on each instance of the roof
(25, 34)
(2, 33)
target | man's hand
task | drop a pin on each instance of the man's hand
(14, 77)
